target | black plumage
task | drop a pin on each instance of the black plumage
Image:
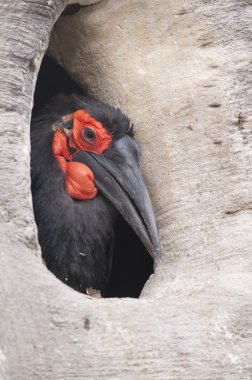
(77, 237)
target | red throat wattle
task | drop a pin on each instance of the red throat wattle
(89, 135)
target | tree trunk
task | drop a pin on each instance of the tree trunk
(182, 72)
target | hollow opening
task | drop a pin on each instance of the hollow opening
(132, 264)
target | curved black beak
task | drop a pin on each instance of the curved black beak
(118, 176)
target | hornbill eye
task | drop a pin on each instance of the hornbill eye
(89, 135)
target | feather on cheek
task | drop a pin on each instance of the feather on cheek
(87, 134)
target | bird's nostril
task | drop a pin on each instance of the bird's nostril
(68, 125)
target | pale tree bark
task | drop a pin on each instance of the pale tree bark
(182, 72)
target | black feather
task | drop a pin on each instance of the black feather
(75, 236)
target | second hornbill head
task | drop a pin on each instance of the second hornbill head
(104, 156)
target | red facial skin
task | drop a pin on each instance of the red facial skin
(81, 120)
(79, 180)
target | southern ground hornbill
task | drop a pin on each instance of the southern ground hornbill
(86, 182)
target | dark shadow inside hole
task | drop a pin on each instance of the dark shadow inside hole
(52, 80)
(132, 265)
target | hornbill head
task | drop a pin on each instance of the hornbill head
(93, 169)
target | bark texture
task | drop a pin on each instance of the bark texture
(182, 72)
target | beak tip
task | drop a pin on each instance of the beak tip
(156, 252)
